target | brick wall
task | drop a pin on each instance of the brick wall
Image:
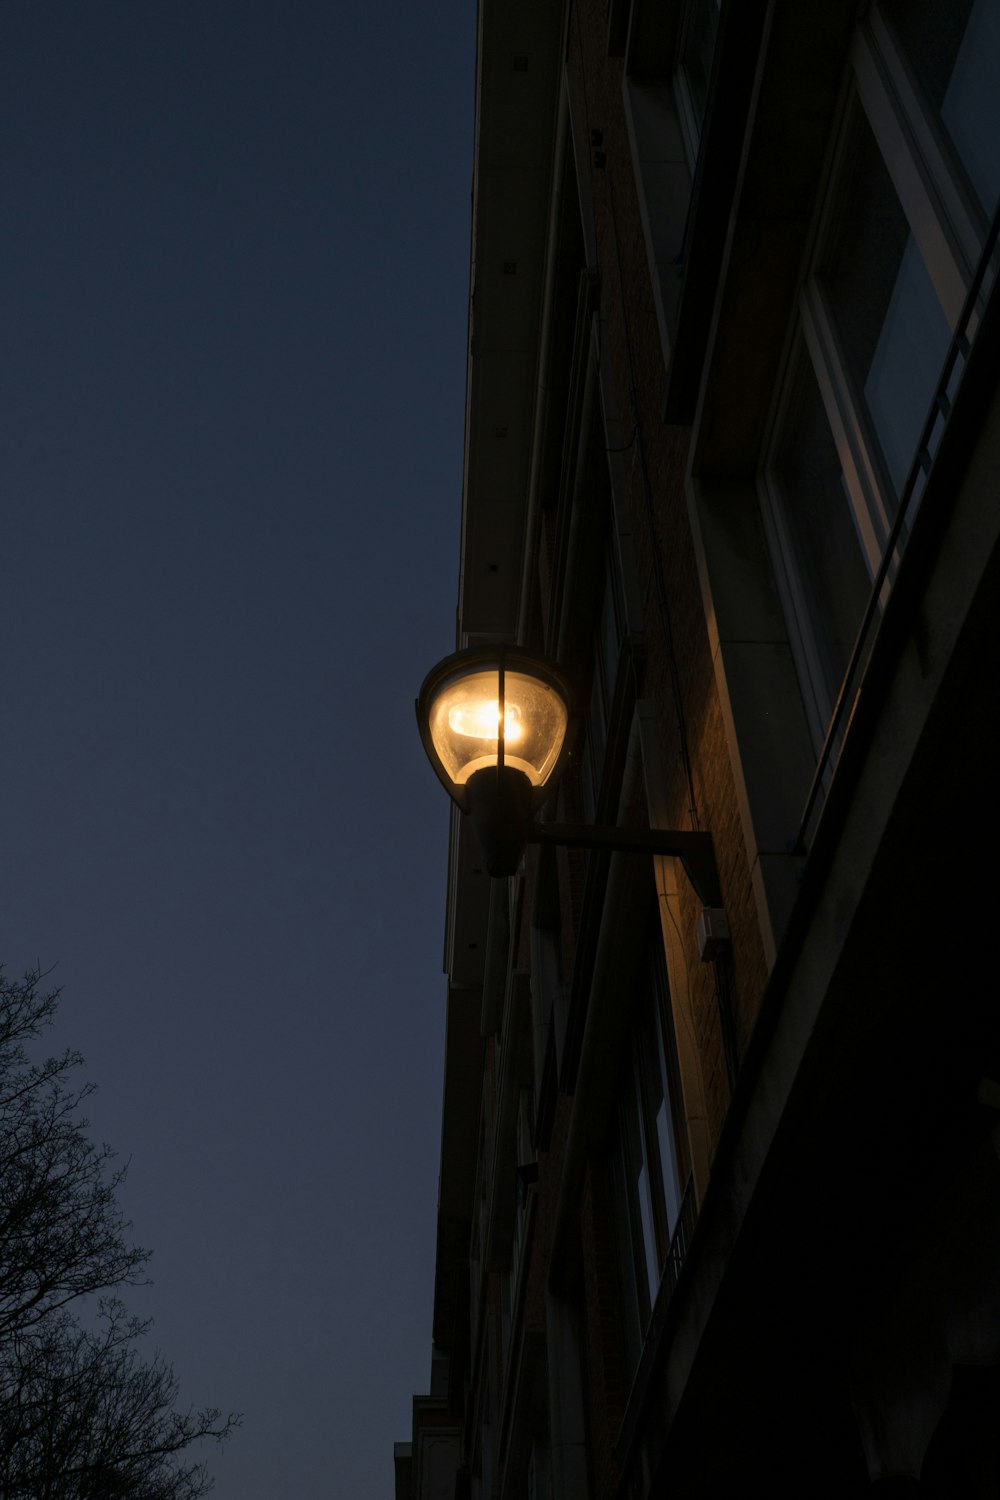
(679, 675)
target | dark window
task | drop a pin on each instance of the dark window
(649, 1159)
(821, 537)
(954, 49)
(890, 323)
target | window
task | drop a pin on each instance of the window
(526, 1174)
(900, 232)
(539, 1485)
(669, 66)
(649, 1160)
(891, 327)
(829, 573)
(953, 51)
(606, 654)
(699, 27)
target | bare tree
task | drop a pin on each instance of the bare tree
(62, 1234)
(82, 1415)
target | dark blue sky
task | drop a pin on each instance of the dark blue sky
(233, 291)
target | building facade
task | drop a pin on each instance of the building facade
(719, 1207)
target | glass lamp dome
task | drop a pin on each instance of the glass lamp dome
(494, 708)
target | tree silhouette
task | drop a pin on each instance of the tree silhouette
(82, 1415)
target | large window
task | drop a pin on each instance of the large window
(914, 176)
(649, 1158)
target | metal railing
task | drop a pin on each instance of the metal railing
(679, 1243)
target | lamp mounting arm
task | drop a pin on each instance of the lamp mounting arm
(694, 849)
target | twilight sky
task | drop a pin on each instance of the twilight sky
(233, 290)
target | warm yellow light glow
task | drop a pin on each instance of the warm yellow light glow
(464, 722)
(481, 721)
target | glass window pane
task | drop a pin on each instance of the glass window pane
(889, 322)
(954, 47)
(666, 1138)
(697, 49)
(607, 645)
(643, 1189)
(658, 1113)
(637, 1188)
(634, 1322)
(609, 634)
(646, 1163)
(593, 760)
(826, 559)
(906, 365)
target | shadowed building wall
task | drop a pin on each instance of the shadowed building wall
(720, 1219)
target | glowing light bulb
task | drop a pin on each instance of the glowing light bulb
(481, 721)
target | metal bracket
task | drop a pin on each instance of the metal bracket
(695, 850)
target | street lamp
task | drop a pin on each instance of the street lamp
(494, 721)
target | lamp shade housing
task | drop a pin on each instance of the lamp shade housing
(494, 721)
(494, 708)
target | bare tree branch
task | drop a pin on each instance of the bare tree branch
(82, 1415)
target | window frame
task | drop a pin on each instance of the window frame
(948, 229)
(644, 1264)
(687, 113)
